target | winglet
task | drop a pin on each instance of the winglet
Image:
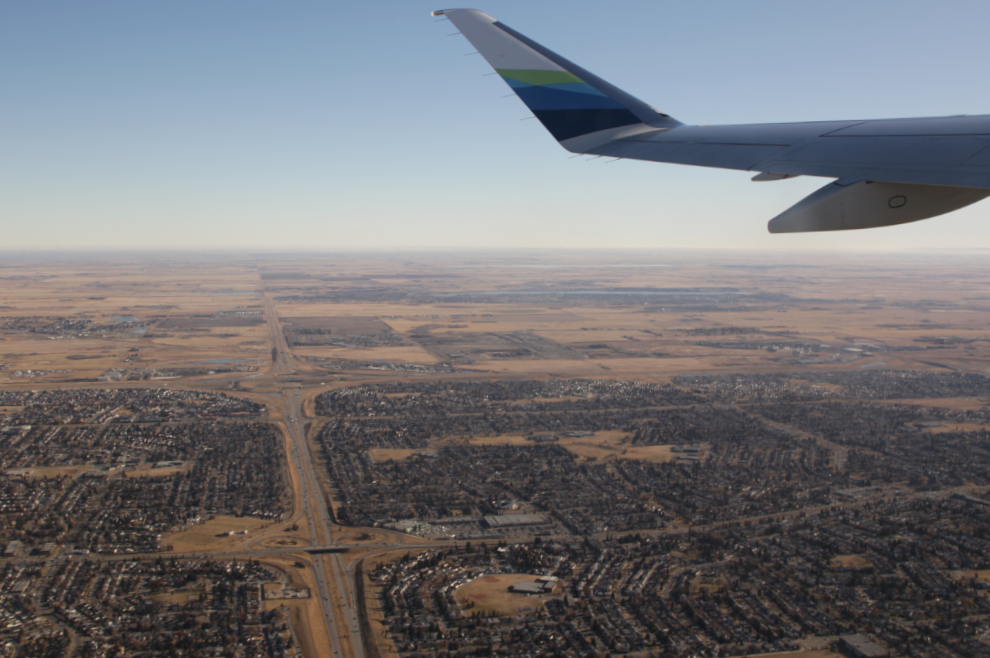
(569, 101)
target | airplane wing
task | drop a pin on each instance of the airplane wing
(888, 172)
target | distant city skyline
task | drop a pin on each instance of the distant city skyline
(365, 127)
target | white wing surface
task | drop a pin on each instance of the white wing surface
(887, 172)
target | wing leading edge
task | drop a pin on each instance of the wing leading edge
(888, 172)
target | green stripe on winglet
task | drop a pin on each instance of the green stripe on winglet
(535, 77)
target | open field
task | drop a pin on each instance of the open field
(77, 321)
(851, 562)
(614, 444)
(603, 445)
(212, 535)
(605, 449)
(52, 471)
(981, 575)
(400, 354)
(647, 316)
(490, 595)
(148, 470)
(393, 454)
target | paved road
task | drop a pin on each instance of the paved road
(314, 505)
(335, 581)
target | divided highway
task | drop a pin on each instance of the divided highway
(314, 507)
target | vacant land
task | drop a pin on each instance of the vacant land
(608, 444)
(646, 316)
(148, 470)
(851, 562)
(43, 472)
(490, 595)
(393, 454)
(220, 533)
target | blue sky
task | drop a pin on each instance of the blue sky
(334, 126)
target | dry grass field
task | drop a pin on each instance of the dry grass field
(614, 444)
(601, 446)
(394, 454)
(54, 471)
(851, 562)
(376, 615)
(397, 354)
(158, 319)
(490, 595)
(147, 470)
(72, 321)
(981, 575)
(212, 535)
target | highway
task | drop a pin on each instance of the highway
(314, 506)
(336, 588)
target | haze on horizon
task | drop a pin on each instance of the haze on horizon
(264, 126)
